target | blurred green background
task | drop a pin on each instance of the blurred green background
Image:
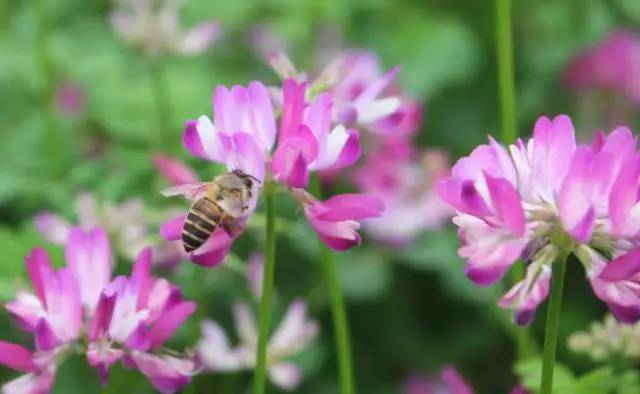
(410, 310)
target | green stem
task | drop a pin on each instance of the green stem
(340, 322)
(553, 318)
(51, 134)
(163, 109)
(506, 82)
(267, 288)
(508, 123)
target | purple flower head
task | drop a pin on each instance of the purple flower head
(80, 307)
(242, 136)
(548, 195)
(612, 65)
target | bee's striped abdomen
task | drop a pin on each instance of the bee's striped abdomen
(202, 220)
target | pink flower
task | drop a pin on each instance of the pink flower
(157, 30)
(394, 174)
(306, 140)
(54, 313)
(512, 203)
(611, 65)
(336, 220)
(449, 382)
(359, 87)
(123, 319)
(291, 337)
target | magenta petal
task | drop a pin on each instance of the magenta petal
(623, 267)
(169, 322)
(191, 139)
(246, 156)
(139, 338)
(16, 357)
(213, 251)
(350, 151)
(623, 196)
(471, 201)
(167, 374)
(44, 336)
(37, 262)
(625, 314)
(584, 228)
(485, 275)
(454, 382)
(171, 230)
(101, 319)
(292, 107)
(506, 203)
(88, 257)
(339, 244)
(350, 206)
(141, 276)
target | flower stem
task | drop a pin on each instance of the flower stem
(163, 109)
(340, 322)
(553, 318)
(51, 132)
(506, 84)
(267, 287)
(508, 123)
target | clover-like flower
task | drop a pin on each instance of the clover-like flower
(545, 198)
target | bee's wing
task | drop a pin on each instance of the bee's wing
(189, 190)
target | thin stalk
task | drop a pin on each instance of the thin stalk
(506, 83)
(338, 311)
(508, 123)
(267, 288)
(553, 319)
(163, 109)
(340, 323)
(52, 137)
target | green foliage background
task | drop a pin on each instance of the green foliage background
(410, 310)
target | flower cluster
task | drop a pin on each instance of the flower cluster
(394, 171)
(293, 334)
(154, 27)
(80, 306)
(243, 138)
(550, 197)
(607, 340)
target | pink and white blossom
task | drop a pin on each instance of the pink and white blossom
(292, 336)
(79, 307)
(534, 199)
(449, 382)
(406, 182)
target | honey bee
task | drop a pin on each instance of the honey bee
(219, 203)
